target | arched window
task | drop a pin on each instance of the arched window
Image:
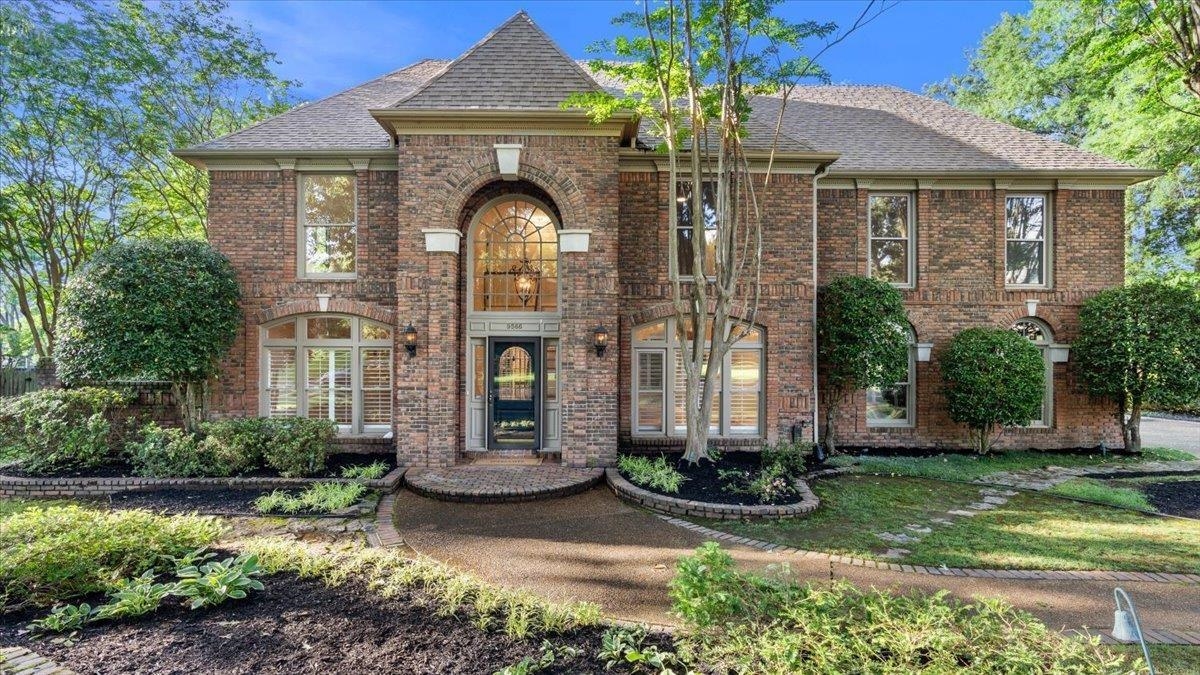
(1040, 335)
(659, 383)
(329, 366)
(515, 257)
(895, 406)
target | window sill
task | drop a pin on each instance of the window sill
(889, 427)
(1028, 287)
(328, 277)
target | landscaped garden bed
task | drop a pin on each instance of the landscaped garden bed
(239, 502)
(1170, 493)
(336, 466)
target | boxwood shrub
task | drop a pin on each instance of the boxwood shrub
(56, 429)
(239, 444)
(299, 446)
(172, 453)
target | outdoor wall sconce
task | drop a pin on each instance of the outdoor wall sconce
(410, 340)
(600, 340)
(323, 301)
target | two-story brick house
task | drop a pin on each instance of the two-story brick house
(431, 257)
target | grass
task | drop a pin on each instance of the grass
(318, 498)
(1167, 659)
(1094, 490)
(1031, 531)
(963, 467)
(372, 471)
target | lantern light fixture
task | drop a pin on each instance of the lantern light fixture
(410, 340)
(600, 339)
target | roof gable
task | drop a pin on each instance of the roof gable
(515, 67)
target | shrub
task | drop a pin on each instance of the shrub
(769, 485)
(215, 582)
(993, 378)
(160, 309)
(299, 446)
(50, 554)
(55, 429)
(239, 444)
(743, 622)
(372, 471)
(172, 453)
(1137, 344)
(318, 498)
(652, 473)
(791, 458)
(862, 340)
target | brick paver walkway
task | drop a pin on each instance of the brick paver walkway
(493, 484)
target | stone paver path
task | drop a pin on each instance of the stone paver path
(593, 547)
(989, 498)
(20, 660)
(1044, 479)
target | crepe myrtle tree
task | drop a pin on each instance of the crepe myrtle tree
(156, 309)
(862, 341)
(993, 378)
(1138, 344)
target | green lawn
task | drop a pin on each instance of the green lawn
(1168, 659)
(1031, 531)
(969, 467)
(1104, 492)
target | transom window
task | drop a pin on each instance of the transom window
(332, 367)
(684, 228)
(515, 248)
(659, 385)
(895, 405)
(1026, 231)
(328, 225)
(890, 238)
(1039, 334)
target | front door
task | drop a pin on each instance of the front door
(514, 395)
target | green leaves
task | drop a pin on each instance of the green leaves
(993, 377)
(215, 582)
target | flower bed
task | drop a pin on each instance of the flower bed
(690, 507)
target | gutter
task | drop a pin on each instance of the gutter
(816, 397)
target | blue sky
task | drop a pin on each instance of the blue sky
(330, 46)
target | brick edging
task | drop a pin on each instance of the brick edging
(85, 486)
(504, 496)
(1028, 575)
(386, 535)
(21, 660)
(690, 507)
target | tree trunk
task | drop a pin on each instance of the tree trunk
(1131, 429)
(191, 397)
(828, 438)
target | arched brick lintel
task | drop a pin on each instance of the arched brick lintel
(482, 169)
(1046, 315)
(660, 311)
(336, 306)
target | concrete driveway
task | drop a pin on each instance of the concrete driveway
(1159, 432)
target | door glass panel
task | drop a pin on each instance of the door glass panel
(514, 378)
(479, 358)
(551, 367)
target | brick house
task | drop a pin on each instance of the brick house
(452, 208)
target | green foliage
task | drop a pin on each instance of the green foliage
(654, 473)
(215, 582)
(55, 429)
(372, 471)
(770, 485)
(171, 453)
(790, 457)
(548, 655)
(64, 618)
(50, 554)
(862, 340)
(318, 498)
(1140, 343)
(133, 597)
(967, 468)
(1092, 490)
(299, 446)
(239, 444)
(993, 378)
(744, 622)
(627, 647)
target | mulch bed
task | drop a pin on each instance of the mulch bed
(298, 626)
(220, 502)
(1178, 498)
(704, 484)
(333, 468)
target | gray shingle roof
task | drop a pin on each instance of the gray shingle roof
(515, 67)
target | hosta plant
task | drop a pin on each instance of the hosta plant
(217, 581)
(63, 618)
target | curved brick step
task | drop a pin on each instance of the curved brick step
(498, 484)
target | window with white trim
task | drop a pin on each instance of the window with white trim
(1026, 234)
(890, 238)
(328, 220)
(658, 381)
(896, 406)
(684, 230)
(1040, 335)
(329, 366)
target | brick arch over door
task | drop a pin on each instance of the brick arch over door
(336, 306)
(570, 203)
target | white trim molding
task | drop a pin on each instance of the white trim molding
(508, 159)
(442, 240)
(574, 241)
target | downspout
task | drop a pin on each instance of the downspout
(816, 398)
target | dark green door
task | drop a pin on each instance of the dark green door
(513, 398)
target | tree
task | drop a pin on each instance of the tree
(690, 71)
(862, 341)
(993, 378)
(156, 309)
(1140, 344)
(94, 97)
(1118, 77)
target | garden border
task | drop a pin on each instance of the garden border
(85, 486)
(689, 507)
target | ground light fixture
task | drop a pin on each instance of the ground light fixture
(410, 340)
(600, 339)
(1126, 627)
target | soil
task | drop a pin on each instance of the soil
(1179, 498)
(299, 626)
(222, 502)
(704, 484)
(1117, 475)
(858, 450)
(333, 468)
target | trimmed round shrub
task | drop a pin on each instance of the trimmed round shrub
(299, 446)
(239, 444)
(172, 453)
(993, 378)
(57, 429)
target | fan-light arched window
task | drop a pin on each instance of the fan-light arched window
(896, 406)
(1040, 335)
(329, 366)
(515, 257)
(659, 384)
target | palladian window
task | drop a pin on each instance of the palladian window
(515, 258)
(659, 385)
(1039, 334)
(332, 367)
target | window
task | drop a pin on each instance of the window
(329, 367)
(895, 406)
(890, 238)
(684, 231)
(1039, 334)
(1026, 230)
(515, 264)
(328, 225)
(659, 385)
